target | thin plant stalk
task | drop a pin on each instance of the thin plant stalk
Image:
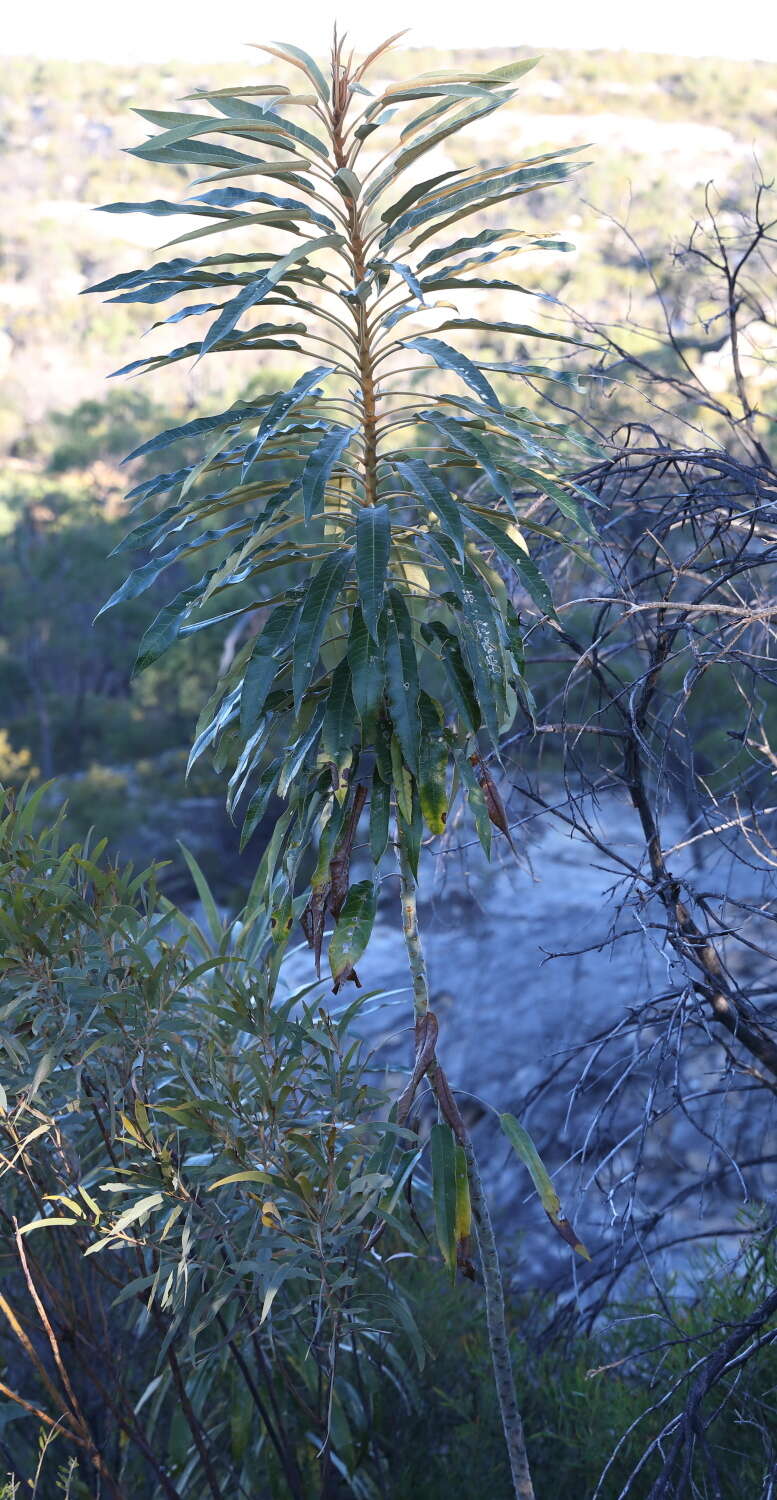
(493, 1288)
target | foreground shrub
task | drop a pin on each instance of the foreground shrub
(191, 1162)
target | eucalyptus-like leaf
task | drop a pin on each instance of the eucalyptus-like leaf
(321, 595)
(450, 359)
(258, 289)
(402, 678)
(373, 550)
(445, 1193)
(353, 932)
(524, 1147)
(319, 466)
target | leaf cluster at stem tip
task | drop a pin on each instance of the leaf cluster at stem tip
(361, 533)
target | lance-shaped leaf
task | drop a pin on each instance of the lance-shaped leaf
(414, 193)
(463, 1201)
(373, 547)
(352, 933)
(476, 802)
(465, 243)
(450, 359)
(258, 289)
(141, 579)
(430, 487)
(432, 765)
(262, 668)
(279, 410)
(320, 599)
(232, 197)
(241, 412)
(402, 678)
(444, 1192)
(523, 330)
(523, 1145)
(319, 466)
(493, 799)
(198, 153)
(298, 59)
(412, 828)
(459, 681)
(338, 730)
(481, 631)
(380, 811)
(474, 197)
(366, 659)
(519, 560)
(166, 627)
(257, 807)
(272, 129)
(471, 443)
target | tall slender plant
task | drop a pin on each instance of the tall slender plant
(366, 514)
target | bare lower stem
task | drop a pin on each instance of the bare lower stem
(489, 1257)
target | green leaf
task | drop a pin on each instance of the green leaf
(232, 198)
(50, 1223)
(450, 359)
(263, 664)
(303, 60)
(432, 765)
(353, 931)
(459, 681)
(402, 678)
(166, 626)
(463, 1201)
(430, 487)
(414, 193)
(279, 409)
(258, 805)
(440, 132)
(238, 414)
(473, 445)
(317, 470)
(526, 570)
(523, 1145)
(215, 924)
(380, 811)
(367, 668)
(339, 726)
(473, 196)
(523, 330)
(444, 1192)
(373, 547)
(477, 804)
(412, 828)
(137, 1211)
(348, 183)
(251, 1174)
(140, 579)
(402, 781)
(320, 599)
(257, 290)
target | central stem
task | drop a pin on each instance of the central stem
(356, 246)
(493, 1290)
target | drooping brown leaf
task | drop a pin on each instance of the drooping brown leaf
(494, 804)
(340, 864)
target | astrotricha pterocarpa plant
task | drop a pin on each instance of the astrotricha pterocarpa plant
(364, 519)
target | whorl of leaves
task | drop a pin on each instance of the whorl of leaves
(367, 511)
